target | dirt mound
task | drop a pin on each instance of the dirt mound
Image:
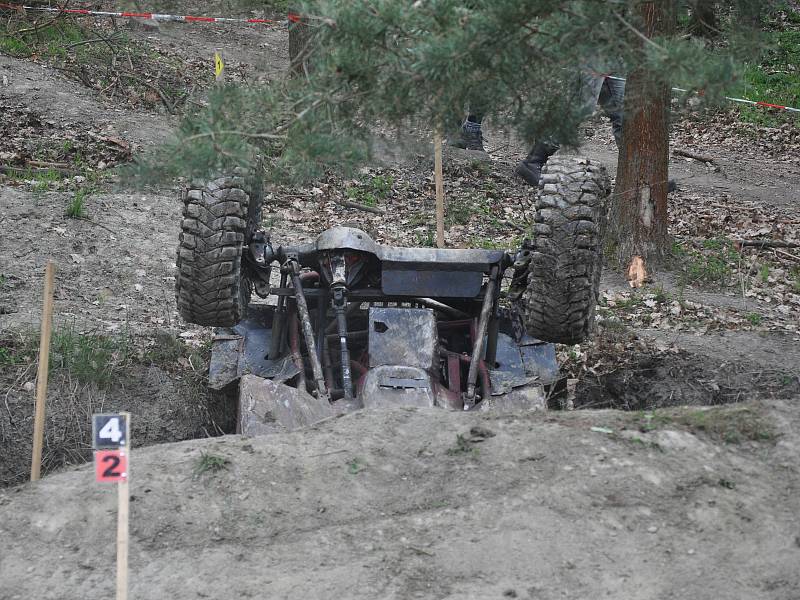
(427, 504)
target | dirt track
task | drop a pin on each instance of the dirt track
(381, 505)
(373, 505)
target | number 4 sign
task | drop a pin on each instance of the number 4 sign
(110, 431)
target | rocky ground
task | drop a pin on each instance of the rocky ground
(401, 504)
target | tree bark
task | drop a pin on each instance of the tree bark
(638, 223)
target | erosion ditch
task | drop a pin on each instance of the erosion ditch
(162, 380)
(651, 381)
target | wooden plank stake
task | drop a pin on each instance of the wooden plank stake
(437, 174)
(111, 439)
(41, 376)
(123, 497)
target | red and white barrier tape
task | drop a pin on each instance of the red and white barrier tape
(145, 15)
(739, 100)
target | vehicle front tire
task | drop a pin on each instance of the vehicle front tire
(566, 254)
(219, 219)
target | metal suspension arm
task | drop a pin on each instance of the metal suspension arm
(339, 304)
(483, 323)
(308, 330)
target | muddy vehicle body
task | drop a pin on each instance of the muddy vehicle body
(346, 323)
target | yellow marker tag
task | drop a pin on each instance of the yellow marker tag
(218, 64)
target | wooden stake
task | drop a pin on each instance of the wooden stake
(41, 376)
(437, 174)
(122, 533)
(123, 499)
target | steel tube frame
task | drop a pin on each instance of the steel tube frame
(483, 323)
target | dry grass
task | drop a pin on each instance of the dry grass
(92, 373)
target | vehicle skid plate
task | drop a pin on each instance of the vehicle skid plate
(518, 380)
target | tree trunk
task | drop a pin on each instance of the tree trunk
(703, 20)
(300, 40)
(638, 224)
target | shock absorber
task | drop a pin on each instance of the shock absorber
(339, 306)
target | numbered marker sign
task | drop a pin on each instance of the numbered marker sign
(111, 435)
(110, 466)
(110, 431)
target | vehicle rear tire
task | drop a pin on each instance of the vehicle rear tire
(566, 254)
(219, 219)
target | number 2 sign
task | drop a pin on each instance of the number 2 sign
(110, 466)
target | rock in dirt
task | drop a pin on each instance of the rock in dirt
(267, 407)
(526, 398)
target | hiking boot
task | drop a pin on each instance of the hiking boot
(470, 137)
(530, 169)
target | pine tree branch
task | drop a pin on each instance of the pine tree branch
(300, 115)
(244, 134)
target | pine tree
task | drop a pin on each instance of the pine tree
(638, 223)
(421, 64)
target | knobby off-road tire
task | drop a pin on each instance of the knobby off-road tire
(567, 246)
(219, 218)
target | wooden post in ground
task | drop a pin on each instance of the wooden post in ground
(123, 497)
(111, 439)
(41, 376)
(437, 175)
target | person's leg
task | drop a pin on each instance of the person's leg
(586, 91)
(612, 101)
(471, 136)
(590, 87)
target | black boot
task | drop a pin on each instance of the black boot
(530, 169)
(471, 137)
